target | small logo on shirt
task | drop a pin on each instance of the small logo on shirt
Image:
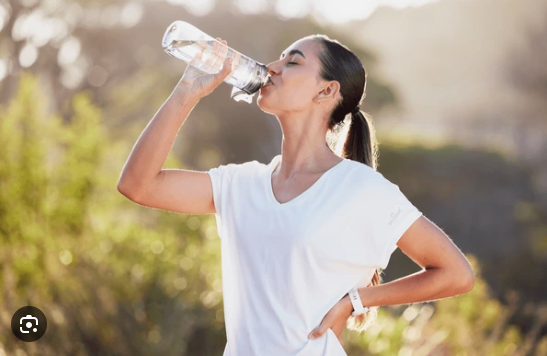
(394, 216)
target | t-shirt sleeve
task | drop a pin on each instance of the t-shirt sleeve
(221, 181)
(390, 215)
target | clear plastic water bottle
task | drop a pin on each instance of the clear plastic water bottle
(184, 41)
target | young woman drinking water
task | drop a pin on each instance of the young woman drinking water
(300, 232)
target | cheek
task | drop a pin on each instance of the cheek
(288, 98)
(297, 87)
(294, 93)
(298, 96)
(301, 86)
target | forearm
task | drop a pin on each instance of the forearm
(156, 141)
(425, 285)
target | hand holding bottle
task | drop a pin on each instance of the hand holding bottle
(207, 55)
(200, 83)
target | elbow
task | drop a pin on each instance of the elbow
(132, 188)
(472, 282)
(126, 191)
(122, 189)
(468, 283)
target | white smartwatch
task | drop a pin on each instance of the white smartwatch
(355, 299)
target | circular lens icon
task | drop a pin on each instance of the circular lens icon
(28, 323)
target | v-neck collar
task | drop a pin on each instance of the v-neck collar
(271, 196)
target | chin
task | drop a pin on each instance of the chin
(264, 107)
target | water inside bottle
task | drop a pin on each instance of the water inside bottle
(247, 72)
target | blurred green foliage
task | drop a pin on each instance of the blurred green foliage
(111, 277)
(468, 324)
(116, 279)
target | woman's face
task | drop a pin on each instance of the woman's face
(295, 78)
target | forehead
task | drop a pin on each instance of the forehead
(307, 46)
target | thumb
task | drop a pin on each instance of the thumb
(226, 68)
(317, 332)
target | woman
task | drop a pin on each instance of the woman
(299, 233)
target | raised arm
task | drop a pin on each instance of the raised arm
(143, 180)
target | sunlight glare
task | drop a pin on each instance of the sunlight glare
(3, 68)
(70, 50)
(251, 7)
(290, 9)
(195, 7)
(28, 55)
(131, 14)
(333, 12)
(3, 16)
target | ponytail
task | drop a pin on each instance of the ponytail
(341, 64)
(361, 145)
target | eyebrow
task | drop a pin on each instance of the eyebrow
(294, 51)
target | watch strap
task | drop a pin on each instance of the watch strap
(355, 299)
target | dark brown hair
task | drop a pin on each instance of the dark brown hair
(341, 64)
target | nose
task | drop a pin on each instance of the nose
(271, 68)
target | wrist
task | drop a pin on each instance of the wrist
(358, 306)
(346, 303)
(186, 94)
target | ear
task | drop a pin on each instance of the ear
(329, 91)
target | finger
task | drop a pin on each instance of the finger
(237, 58)
(219, 50)
(228, 65)
(212, 48)
(196, 61)
(224, 52)
(227, 68)
(219, 57)
(318, 331)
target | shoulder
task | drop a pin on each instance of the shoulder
(249, 168)
(369, 181)
(363, 173)
(230, 170)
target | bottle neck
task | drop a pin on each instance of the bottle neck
(258, 80)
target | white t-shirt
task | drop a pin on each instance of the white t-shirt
(284, 266)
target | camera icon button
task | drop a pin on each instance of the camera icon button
(28, 324)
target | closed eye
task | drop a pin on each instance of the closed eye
(291, 63)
